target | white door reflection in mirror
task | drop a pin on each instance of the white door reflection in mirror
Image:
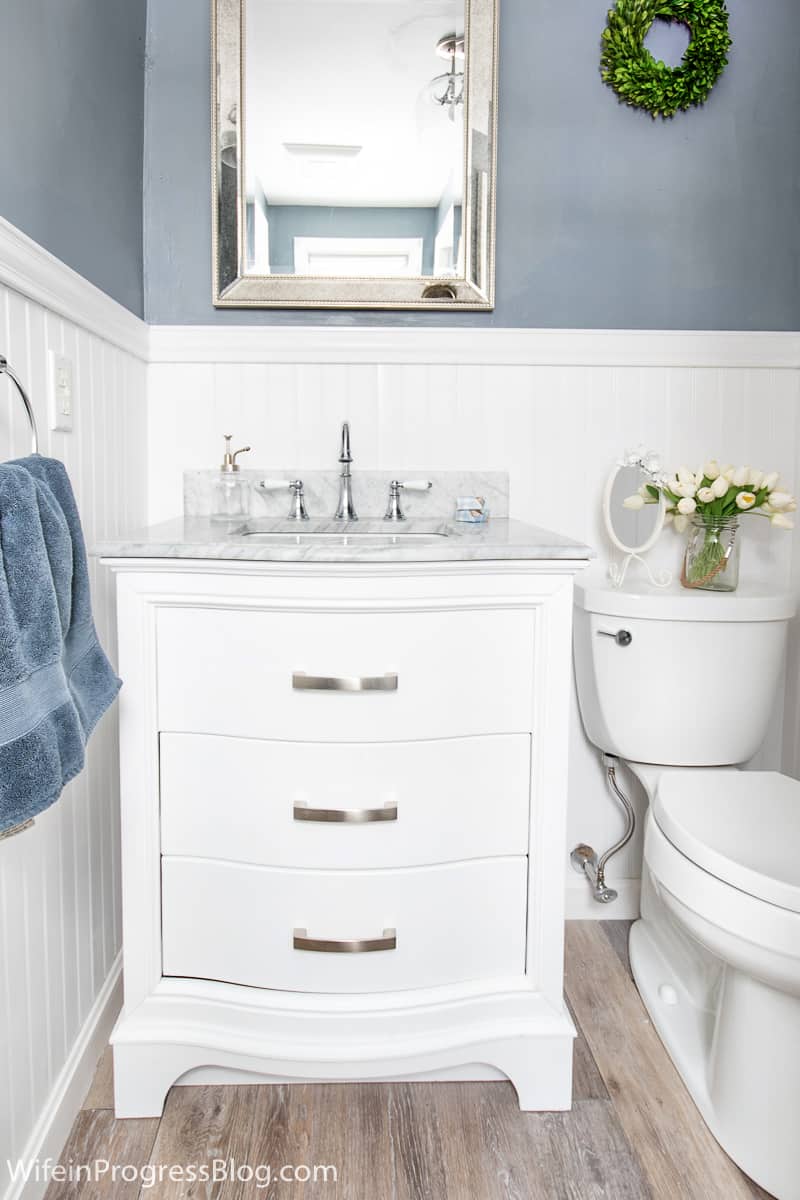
(357, 256)
(354, 137)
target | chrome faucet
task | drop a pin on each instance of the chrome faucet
(346, 510)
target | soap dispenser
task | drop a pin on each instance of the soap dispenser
(231, 492)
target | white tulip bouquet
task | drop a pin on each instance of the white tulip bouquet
(712, 497)
(715, 493)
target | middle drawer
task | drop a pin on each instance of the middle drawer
(362, 804)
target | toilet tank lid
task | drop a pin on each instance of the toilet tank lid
(741, 826)
(595, 594)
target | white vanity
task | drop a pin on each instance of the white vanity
(344, 784)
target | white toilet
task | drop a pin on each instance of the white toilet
(716, 954)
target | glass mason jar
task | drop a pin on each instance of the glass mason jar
(230, 497)
(711, 561)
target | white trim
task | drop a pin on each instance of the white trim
(33, 272)
(472, 345)
(55, 1121)
(581, 905)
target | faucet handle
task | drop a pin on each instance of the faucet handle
(394, 510)
(297, 507)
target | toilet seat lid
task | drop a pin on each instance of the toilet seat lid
(741, 826)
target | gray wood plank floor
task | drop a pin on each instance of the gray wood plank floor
(632, 1134)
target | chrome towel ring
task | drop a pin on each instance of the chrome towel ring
(5, 369)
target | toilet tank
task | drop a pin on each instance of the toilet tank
(695, 686)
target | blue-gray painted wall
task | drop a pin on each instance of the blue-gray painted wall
(72, 122)
(606, 218)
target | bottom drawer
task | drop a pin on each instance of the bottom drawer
(365, 931)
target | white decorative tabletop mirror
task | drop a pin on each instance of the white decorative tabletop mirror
(634, 513)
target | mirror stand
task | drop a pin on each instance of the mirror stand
(618, 571)
(635, 470)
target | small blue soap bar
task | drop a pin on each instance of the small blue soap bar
(472, 509)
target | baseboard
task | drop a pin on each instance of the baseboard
(582, 906)
(66, 1097)
(34, 272)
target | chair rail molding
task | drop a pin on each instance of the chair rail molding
(473, 346)
(29, 269)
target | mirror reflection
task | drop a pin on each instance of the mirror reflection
(353, 142)
(632, 527)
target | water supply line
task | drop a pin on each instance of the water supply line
(583, 857)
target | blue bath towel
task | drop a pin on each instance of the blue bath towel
(55, 680)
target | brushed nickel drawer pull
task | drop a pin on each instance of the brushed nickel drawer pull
(345, 816)
(301, 941)
(333, 683)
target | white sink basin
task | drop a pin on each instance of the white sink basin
(368, 534)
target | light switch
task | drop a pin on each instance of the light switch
(62, 392)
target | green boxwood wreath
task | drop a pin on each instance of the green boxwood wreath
(644, 82)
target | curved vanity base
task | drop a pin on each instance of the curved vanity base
(359, 823)
(143, 1076)
(284, 1044)
(540, 1072)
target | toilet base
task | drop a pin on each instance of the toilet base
(733, 1040)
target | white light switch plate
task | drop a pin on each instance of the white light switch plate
(61, 392)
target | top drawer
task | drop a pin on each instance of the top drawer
(425, 674)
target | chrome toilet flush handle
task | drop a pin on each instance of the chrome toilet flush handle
(623, 637)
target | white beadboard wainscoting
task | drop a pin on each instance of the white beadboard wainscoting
(59, 881)
(553, 408)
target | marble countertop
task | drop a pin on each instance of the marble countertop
(342, 542)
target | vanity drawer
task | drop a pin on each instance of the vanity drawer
(366, 931)
(359, 804)
(275, 674)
